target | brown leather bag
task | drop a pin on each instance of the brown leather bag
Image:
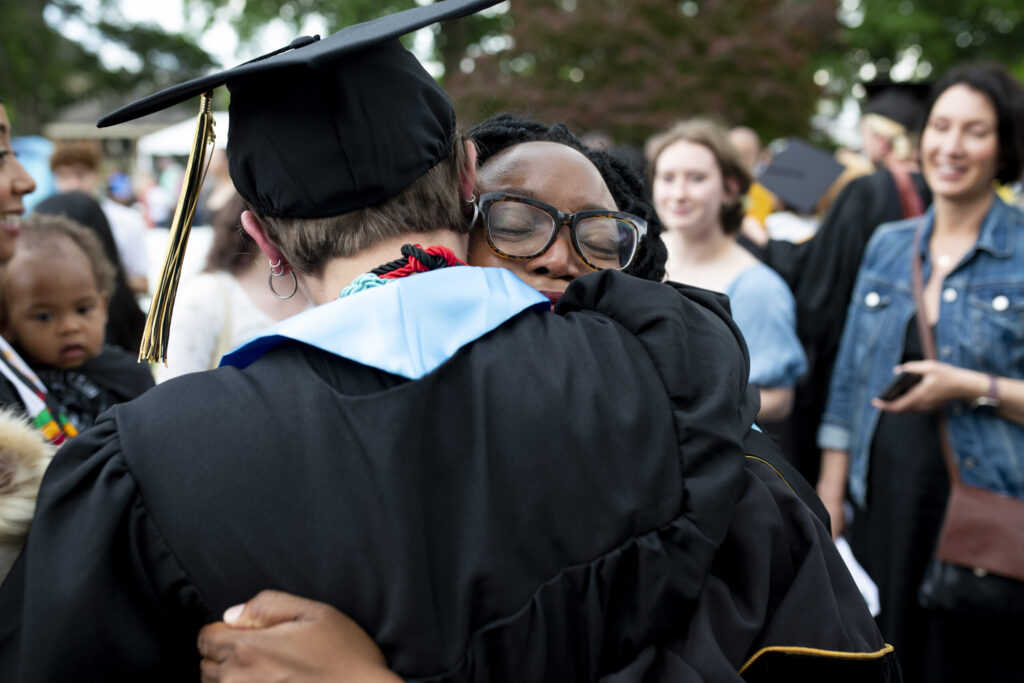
(984, 531)
(979, 559)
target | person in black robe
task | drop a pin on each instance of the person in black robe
(510, 157)
(821, 272)
(490, 489)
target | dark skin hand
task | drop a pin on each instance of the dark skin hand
(280, 637)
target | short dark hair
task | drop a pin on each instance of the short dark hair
(626, 186)
(1007, 97)
(125, 320)
(40, 230)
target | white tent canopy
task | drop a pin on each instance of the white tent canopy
(176, 140)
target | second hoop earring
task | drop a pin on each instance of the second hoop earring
(281, 273)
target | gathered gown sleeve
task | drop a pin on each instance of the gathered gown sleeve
(98, 573)
(752, 621)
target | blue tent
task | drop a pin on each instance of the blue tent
(34, 154)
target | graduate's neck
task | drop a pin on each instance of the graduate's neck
(339, 273)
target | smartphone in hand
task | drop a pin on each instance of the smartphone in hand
(900, 385)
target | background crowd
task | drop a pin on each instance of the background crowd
(814, 251)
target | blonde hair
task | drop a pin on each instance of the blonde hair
(40, 230)
(432, 202)
(707, 133)
(901, 146)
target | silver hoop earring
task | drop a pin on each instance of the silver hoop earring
(476, 211)
(276, 269)
(270, 283)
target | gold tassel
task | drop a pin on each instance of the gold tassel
(158, 322)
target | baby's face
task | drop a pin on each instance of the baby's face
(55, 311)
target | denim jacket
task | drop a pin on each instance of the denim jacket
(980, 326)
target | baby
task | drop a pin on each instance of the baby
(53, 310)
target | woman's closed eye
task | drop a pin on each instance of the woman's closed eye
(515, 227)
(513, 231)
(601, 245)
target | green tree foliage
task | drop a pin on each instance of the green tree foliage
(451, 39)
(42, 71)
(256, 14)
(630, 67)
(626, 67)
(645, 63)
(920, 39)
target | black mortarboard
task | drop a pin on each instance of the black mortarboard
(800, 174)
(318, 128)
(900, 102)
(332, 125)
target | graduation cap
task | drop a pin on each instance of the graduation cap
(800, 174)
(901, 102)
(318, 128)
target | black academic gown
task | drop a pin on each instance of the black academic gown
(821, 273)
(567, 498)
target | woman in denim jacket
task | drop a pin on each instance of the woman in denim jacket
(886, 454)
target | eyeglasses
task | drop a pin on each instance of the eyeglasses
(523, 228)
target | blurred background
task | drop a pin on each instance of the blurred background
(626, 67)
(615, 70)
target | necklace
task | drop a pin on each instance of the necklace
(414, 259)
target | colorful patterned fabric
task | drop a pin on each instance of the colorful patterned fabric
(33, 394)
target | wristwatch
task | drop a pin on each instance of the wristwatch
(989, 399)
